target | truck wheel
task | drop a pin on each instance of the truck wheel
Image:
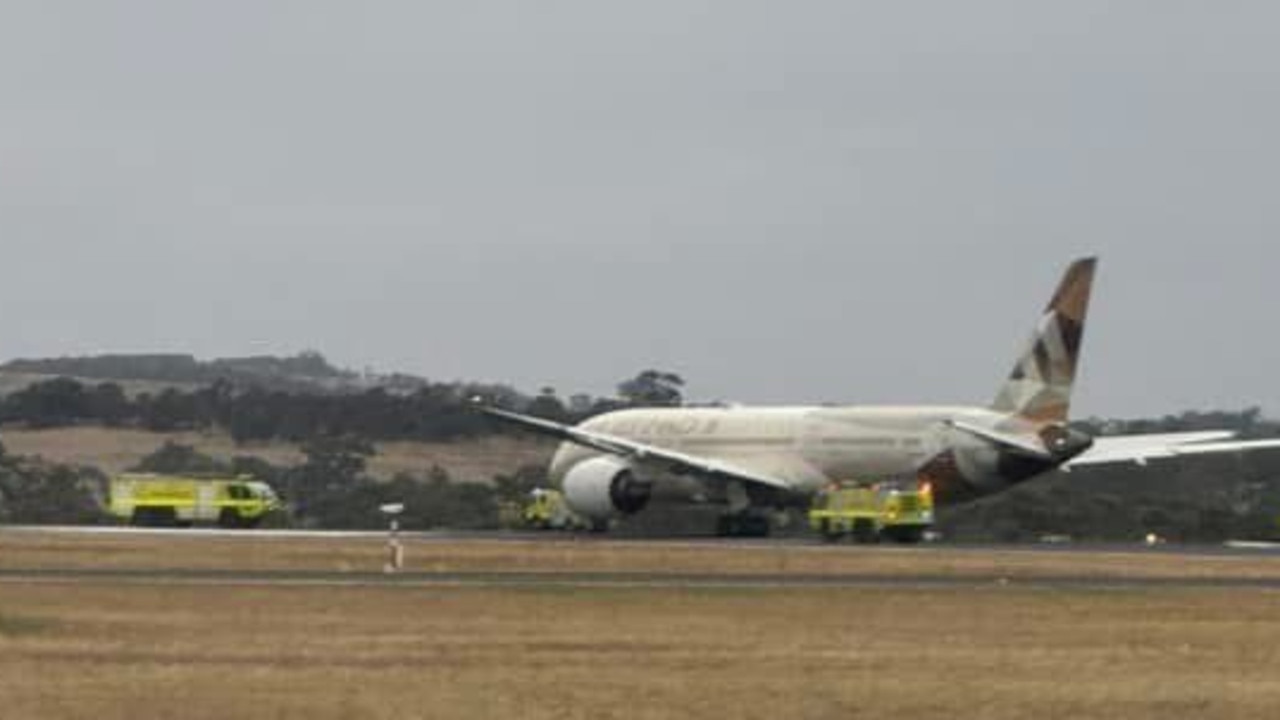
(864, 531)
(166, 517)
(904, 535)
(229, 518)
(826, 533)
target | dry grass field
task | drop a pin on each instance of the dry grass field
(113, 450)
(112, 648)
(112, 652)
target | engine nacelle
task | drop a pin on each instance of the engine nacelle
(602, 487)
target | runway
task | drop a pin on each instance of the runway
(1241, 548)
(590, 580)
(280, 558)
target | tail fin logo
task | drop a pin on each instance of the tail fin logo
(1039, 389)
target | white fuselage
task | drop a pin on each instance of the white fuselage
(809, 447)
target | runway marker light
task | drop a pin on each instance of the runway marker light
(395, 550)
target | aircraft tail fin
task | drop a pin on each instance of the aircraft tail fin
(1039, 389)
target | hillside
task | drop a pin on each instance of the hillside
(13, 382)
(114, 450)
(304, 372)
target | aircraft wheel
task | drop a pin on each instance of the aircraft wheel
(756, 526)
(743, 525)
(726, 526)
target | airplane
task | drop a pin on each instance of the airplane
(753, 461)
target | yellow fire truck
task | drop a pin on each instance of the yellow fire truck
(171, 500)
(872, 513)
(547, 510)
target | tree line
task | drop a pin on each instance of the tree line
(330, 488)
(438, 412)
(306, 369)
(35, 491)
(1193, 500)
(1204, 499)
(433, 412)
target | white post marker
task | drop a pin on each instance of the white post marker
(395, 551)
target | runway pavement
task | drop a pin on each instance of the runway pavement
(606, 580)
(931, 572)
(1242, 548)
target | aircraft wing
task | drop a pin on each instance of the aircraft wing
(641, 452)
(1140, 449)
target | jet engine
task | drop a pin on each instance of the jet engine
(602, 487)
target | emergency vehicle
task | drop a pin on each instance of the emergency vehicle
(171, 500)
(547, 510)
(872, 513)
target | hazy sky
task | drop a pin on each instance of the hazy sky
(785, 202)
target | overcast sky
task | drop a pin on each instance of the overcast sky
(785, 202)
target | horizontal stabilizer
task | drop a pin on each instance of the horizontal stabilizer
(1025, 444)
(1141, 449)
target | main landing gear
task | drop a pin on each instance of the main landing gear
(743, 524)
